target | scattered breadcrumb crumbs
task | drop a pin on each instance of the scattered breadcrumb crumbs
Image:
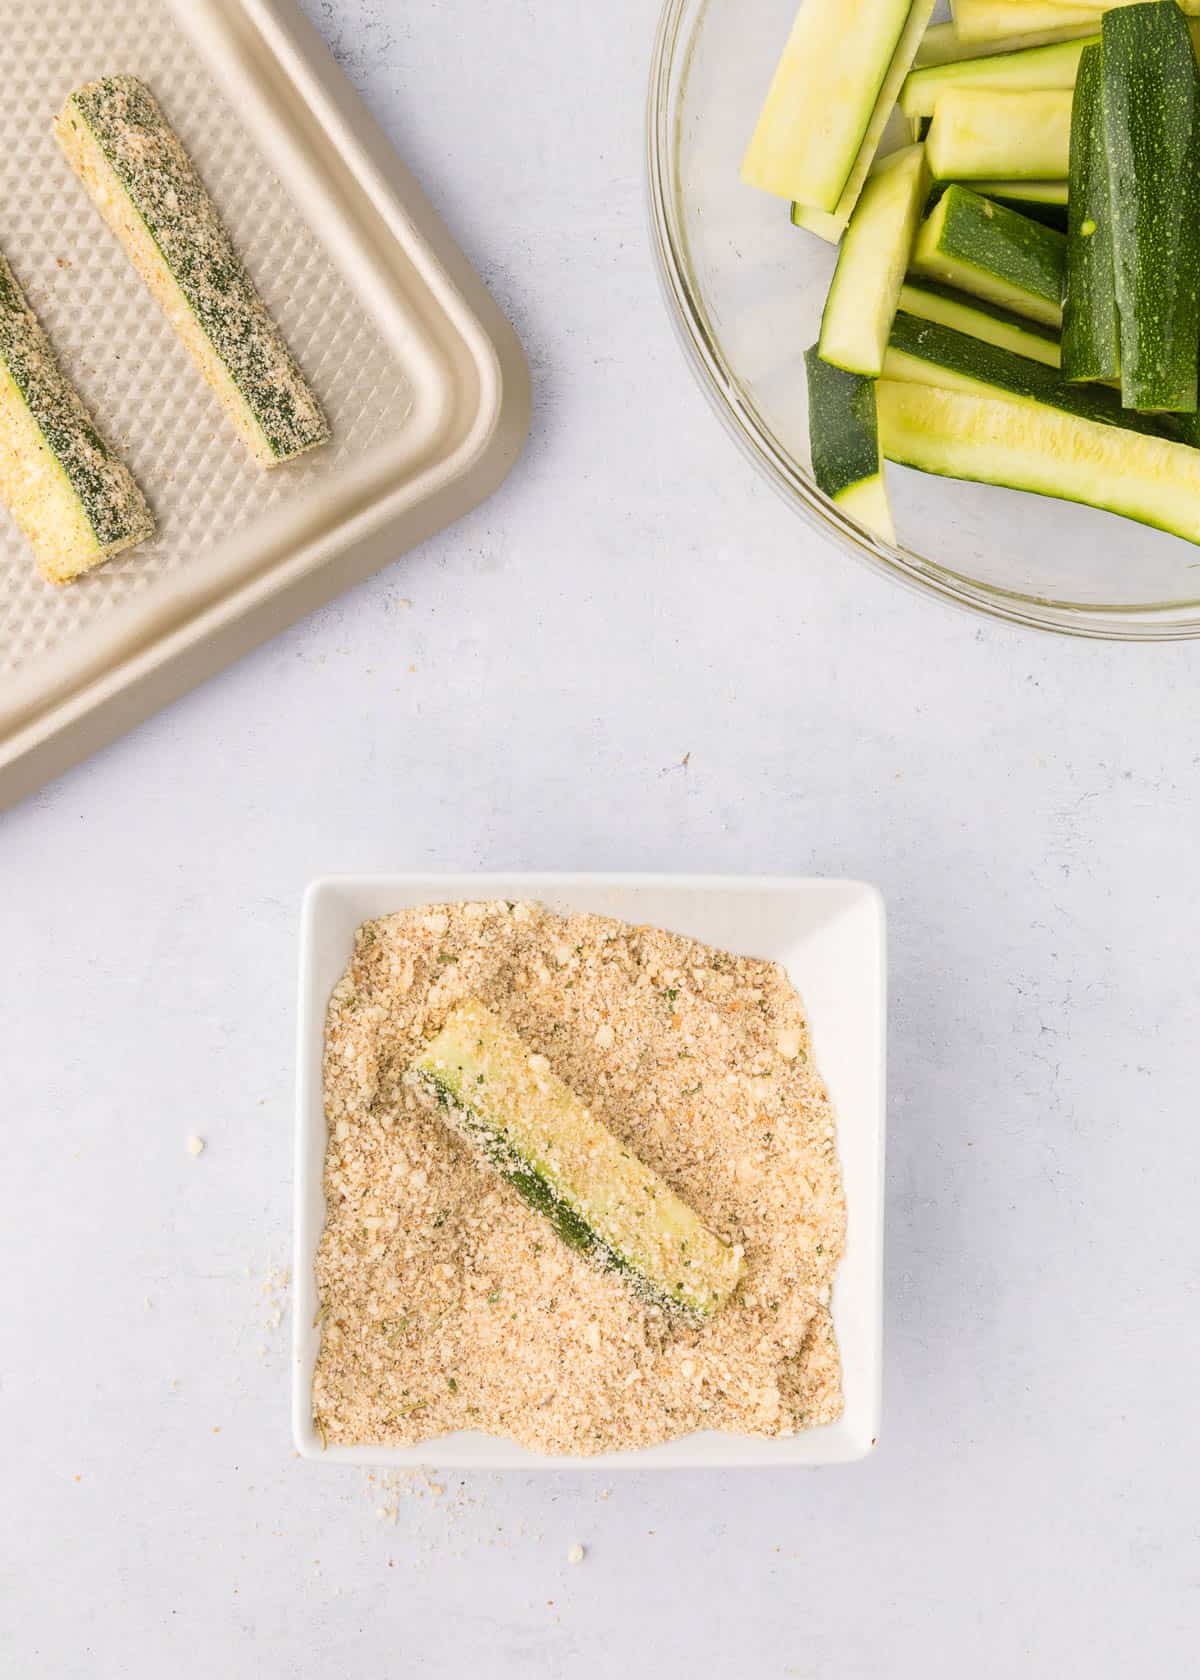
(576, 1553)
(447, 1303)
(195, 1145)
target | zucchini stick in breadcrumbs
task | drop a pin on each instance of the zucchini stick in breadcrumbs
(148, 190)
(71, 496)
(600, 1199)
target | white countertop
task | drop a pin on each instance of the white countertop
(522, 693)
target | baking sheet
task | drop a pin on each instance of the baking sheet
(422, 381)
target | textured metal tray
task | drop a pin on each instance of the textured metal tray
(422, 377)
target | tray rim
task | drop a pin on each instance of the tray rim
(858, 1289)
(148, 677)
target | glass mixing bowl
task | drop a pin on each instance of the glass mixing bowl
(747, 289)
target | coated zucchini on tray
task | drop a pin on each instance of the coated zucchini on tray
(1038, 324)
(148, 190)
(75, 501)
(600, 1199)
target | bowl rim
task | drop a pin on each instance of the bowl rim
(1166, 621)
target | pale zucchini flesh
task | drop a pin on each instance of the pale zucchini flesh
(978, 22)
(926, 300)
(977, 246)
(831, 225)
(529, 1127)
(993, 133)
(1037, 68)
(1041, 201)
(75, 502)
(116, 137)
(1025, 446)
(871, 263)
(822, 98)
(943, 44)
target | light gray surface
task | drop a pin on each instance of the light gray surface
(1029, 806)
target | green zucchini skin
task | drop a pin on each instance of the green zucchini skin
(996, 253)
(1091, 329)
(846, 461)
(927, 352)
(1150, 112)
(943, 45)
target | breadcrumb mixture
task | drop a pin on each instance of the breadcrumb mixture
(448, 1303)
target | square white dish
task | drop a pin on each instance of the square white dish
(829, 936)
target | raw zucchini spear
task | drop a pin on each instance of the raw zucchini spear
(990, 133)
(984, 248)
(600, 1199)
(984, 21)
(832, 226)
(976, 22)
(928, 301)
(1054, 193)
(925, 353)
(1190, 8)
(1091, 330)
(1151, 113)
(822, 98)
(847, 464)
(147, 189)
(1028, 446)
(944, 45)
(75, 501)
(870, 271)
(1042, 201)
(1037, 68)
